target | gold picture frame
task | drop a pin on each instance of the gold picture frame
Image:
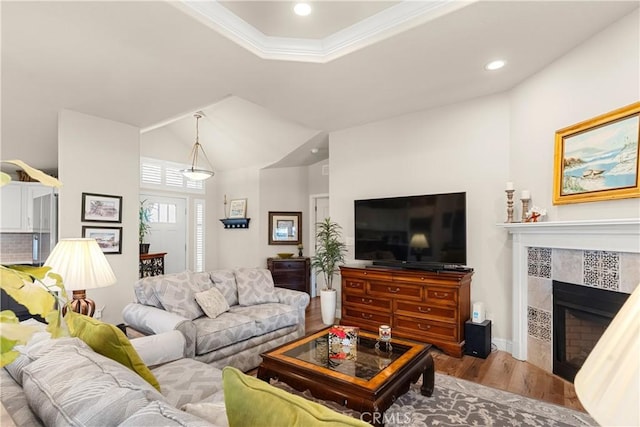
(597, 159)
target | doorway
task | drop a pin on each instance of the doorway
(168, 230)
(319, 211)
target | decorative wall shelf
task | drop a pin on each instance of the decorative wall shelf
(235, 222)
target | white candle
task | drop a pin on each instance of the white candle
(526, 194)
(509, 185)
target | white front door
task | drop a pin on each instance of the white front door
(168, 230)
(319, 211)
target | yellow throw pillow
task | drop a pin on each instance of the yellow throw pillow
(110, 342)
(253, 402)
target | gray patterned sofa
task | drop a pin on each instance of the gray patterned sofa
(255, 315)
(64, 382)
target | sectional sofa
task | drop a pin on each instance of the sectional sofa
(246, 314)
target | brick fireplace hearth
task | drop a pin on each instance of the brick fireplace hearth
(602, 254)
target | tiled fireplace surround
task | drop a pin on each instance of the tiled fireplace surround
(601, 253)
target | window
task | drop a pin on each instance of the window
(199, 235)
(162, 213)
(164, 175)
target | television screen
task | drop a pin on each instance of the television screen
(412, 229)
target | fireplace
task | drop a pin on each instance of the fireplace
(580, 316)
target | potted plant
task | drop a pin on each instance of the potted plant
(329, 255)
(30, 286)
(144, 226)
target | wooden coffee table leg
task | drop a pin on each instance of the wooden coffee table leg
(428, 377)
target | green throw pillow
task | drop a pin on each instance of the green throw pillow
(110, 342)
(253, 402)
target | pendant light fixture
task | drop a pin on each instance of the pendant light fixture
(194, 173)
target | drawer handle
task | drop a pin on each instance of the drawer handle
(441, 295)
(354, 285)
(393, 291)
(366, 316)
(367, 301)
(424, 328)
(424, 310)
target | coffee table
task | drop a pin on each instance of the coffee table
(368, 380)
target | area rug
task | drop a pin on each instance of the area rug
(458, 403)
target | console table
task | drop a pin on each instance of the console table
(422, 305)
(291, 273)
(151, 264)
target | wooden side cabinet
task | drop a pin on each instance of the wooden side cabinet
(152, 264)
(421, 305)
(291, 273)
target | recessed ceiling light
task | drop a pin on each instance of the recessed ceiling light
(495, 65)
(302, 9)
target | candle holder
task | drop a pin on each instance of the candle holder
(525, 209)
(509, 205)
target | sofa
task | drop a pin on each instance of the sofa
(65, 381)
(228, 317)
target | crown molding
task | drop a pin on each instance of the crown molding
(387, 23)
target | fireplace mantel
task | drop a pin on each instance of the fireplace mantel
(618, 235)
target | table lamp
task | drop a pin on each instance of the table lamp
(419, 242)
(608, 384)
(82, 265)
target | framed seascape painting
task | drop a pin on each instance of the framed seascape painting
(109, 238)
(598, 159)
(101, 208)
(238, 208)
(284, 228)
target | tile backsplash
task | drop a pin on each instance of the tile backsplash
(15, 248)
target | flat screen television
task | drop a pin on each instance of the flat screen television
(419, 231)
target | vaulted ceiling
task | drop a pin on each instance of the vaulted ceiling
(269, 82)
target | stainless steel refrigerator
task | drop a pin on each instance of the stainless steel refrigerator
(45, 226)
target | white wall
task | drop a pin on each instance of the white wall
(101, 156)
(477, 146)
(599, 76)
(459, 148)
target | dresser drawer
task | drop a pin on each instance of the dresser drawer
(441, 296)
(353, 286)
(427, 328)
(363, 300)
(425, 311)
(288, 266)
(366, 315)
(394, 290)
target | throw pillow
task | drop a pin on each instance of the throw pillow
(212, 302)
(246, 398)
(110, 342)
(255, 286)
(177, 295)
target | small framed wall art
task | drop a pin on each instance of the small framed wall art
(284, 228)
(238, 208)
(109, 238)
(598, 159)
(101, 208)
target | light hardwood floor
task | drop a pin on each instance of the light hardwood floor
(499, 370)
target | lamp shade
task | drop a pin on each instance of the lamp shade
(419, 241)
(608, 384)
(81, 264)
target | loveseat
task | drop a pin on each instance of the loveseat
(227, 317)
(66, 381)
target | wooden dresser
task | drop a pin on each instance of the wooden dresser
(420, 305)
(291, 273)
(151, 264)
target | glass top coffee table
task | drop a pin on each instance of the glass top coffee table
(366, 377)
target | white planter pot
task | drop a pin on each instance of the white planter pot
(328, 306)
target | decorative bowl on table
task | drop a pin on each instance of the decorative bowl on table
(285, 255)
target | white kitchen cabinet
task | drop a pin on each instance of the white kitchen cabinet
(16, 206)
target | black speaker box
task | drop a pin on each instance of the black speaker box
(477, 338)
